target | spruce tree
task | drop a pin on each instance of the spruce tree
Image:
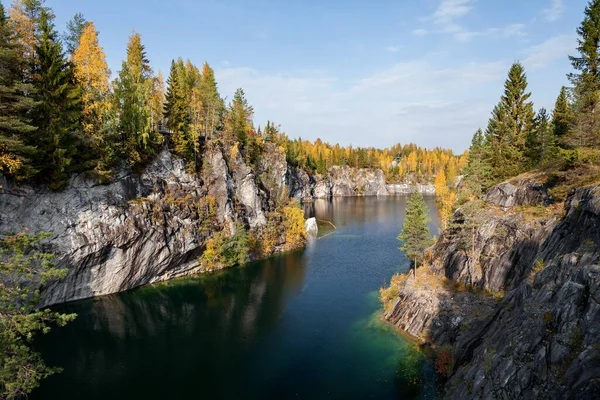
(477, 170)
(15, 123)
(509, 127)
(239, 117)
(541, 143)
(133, 89)
(176, 110)
(587, 80)
(58, 113)
(562, 118)
(74, 31)
(415, 233)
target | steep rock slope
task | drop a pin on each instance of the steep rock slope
(141, 228)
(541, 340)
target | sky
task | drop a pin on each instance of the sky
(367, 73)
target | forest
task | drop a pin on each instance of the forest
(67, 114)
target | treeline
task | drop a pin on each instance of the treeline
(63, 113)
(518, 139)
(399, 162)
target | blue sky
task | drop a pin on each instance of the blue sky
(354, 72)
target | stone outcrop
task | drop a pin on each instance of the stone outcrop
(541, 339)
(518, 192)
(346, 182)
(405, 188)
(312, 229)
(146, 227)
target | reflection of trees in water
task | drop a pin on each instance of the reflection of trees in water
(192, 329)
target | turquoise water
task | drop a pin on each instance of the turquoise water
(302, 325)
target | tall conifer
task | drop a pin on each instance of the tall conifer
(509, 127)
(587, 80)
(15, 123)
(415, 233)
(562, 118)
(58, 113)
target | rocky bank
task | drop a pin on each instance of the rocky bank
(154, 225)
(523, 319)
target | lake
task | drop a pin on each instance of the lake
(303, 325)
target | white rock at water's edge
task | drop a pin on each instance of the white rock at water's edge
(312, 229)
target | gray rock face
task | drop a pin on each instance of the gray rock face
(541, 340)
(348, 181)
(140, 228)
(404, 188)
(519, 192)
(312, 229)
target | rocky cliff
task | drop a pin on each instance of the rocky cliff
(523, 317)
(145, 227)
(155, 224)
(346, 182)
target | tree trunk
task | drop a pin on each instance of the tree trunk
(415, 270)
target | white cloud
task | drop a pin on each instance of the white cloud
(411, 101)
(513, 30)
(393, 49)
(543, 54)
(419, 32)
(554, 11)
(449, 10)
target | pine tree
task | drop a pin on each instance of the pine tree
(415, 233)
(75, 29)
(58, 113)
(15, 123)
(509, 127)
(587, 81)
(562, 118)
(212, 104)
(133, 88)
(445, 198)
(23, 260)
(471, 216)
(93, 76)
(176, 109)
(239, 117)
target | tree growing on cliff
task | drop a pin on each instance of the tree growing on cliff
(415, 235)
(477, 171)
(471, 215)
(586, 81)
(562, 118)
(445, 198)
(133, 88)
(14, 120)
(21, 260)
(177, 109)
(58, 112)
(93, 76)
(509, 126)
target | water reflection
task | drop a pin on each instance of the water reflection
(177, 328)
(299, 325)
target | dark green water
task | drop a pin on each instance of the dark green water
(302, 325)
